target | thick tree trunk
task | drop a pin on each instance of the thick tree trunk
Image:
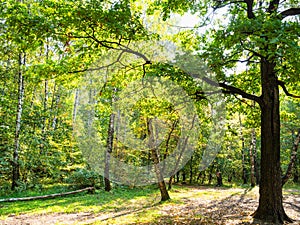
(110, 138)
(288, 173)
(15, 163)
(270, 200)
(155, 157)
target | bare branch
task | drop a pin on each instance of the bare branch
(282, 84)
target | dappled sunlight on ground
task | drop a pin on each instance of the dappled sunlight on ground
(189, 205)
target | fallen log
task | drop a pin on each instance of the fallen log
(47, 196)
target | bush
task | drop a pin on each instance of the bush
(83, 178)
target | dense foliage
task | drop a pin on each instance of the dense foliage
(63, 64)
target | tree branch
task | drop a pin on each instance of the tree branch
(290, 12)
(282, 84)
(273, 6)
(250, 50)
(233, 90)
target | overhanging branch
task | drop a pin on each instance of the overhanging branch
(228, 89)
(290, 12)
(282, 85)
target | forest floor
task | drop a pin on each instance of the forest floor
(189, 205)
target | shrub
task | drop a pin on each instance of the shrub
(83, 178)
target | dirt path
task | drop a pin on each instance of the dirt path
(198, 207)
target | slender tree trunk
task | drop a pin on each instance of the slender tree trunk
(76, 101)
(191, 170)
(203, 178)
(177, 177)
(251, 152)
(288, 173)
(210, 176)
(244, 175)
(296, 174)
(110, 138)
(270, 200)
(256, 164)
(42, 147)
(15, 164)
(183, 177)
(155, 157)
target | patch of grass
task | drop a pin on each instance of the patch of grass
(101, 201)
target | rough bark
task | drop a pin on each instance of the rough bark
(110, 138)
(15, 162)
(289, 170)
(270, 200)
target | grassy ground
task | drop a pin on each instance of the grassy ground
(189, 205)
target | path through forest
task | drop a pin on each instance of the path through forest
(197, 205)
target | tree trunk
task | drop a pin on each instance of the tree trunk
(251, 152)
(270, 200)
(170, 182)
(244, 175)
(76, 102)
(177, 177)
(183, 177)
(44, 125)
(256, 165)
(15, 163)
(219, 179)
(153, 148)
(296, 175)
(210, 176)
(110, 138)
(191, 170)
(55, 110)
(288, 173)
